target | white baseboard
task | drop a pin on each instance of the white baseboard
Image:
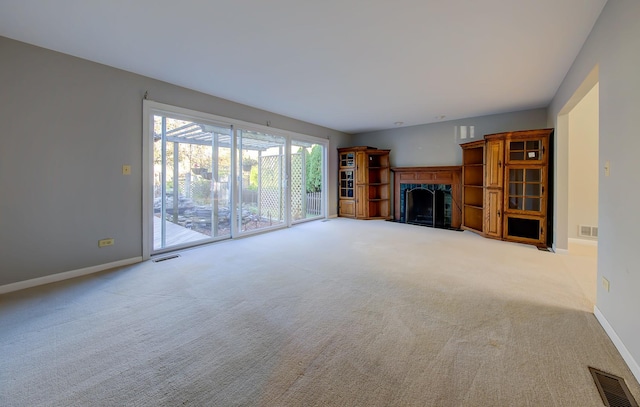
(584, 242)
(34, 282)
(561, 251)
(626, 355)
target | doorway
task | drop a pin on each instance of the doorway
(566, 153)
(583, 126)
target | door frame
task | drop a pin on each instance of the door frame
(150, 107)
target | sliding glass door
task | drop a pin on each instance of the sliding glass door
(209, 178)
(191, 182)
(261, 178)
(307, 180)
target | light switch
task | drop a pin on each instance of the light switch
(126, 170)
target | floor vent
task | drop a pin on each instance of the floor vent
(612, 389)
(174, 256)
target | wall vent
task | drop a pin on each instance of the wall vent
(587, 231)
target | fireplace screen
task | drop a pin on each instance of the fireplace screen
(426, 204)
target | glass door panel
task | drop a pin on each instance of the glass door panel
(525, 189)
(261, 176)
(191, 168)
(347, 159)
(346, 184)
(530, 151)
(307, 183)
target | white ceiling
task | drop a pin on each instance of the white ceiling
(350, 65)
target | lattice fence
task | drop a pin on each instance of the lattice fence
(298, 186)
(271, 199)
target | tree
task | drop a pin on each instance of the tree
(314, 168)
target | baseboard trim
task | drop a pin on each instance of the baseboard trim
(53, 278)
(584, 242)
(561, 251)
(626, 355)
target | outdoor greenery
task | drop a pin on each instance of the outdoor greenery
(314, 168)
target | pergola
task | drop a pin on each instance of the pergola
(207, 135)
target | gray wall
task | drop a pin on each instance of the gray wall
(438, 143)
(68, 125)
(614, 46)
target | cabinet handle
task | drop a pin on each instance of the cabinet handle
(499, 163)
(498, 213)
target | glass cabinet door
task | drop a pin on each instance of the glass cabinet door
(346, 184)
(526, 151)
(347, 159)
(526, 189)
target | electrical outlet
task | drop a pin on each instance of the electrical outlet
(126, 170)
(106, 242)
(605, 284)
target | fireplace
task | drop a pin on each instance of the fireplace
(426, 204)
(428, 196)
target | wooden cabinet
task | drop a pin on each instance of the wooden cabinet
(494, 186)
(493, 213)
(525, 186)
(515, 203)
(364, 183)
(472, 186)
(495, 154)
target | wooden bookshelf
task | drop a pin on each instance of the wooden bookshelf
(473, 186)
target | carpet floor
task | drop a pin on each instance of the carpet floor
(337, 313)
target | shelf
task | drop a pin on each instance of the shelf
(472, 206)
(379, 208)
(473, 155)
(473, 176)
(378, 160)
(379, 177)
(473, 195)
(473, 217)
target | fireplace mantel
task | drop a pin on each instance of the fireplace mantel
(449, 175)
